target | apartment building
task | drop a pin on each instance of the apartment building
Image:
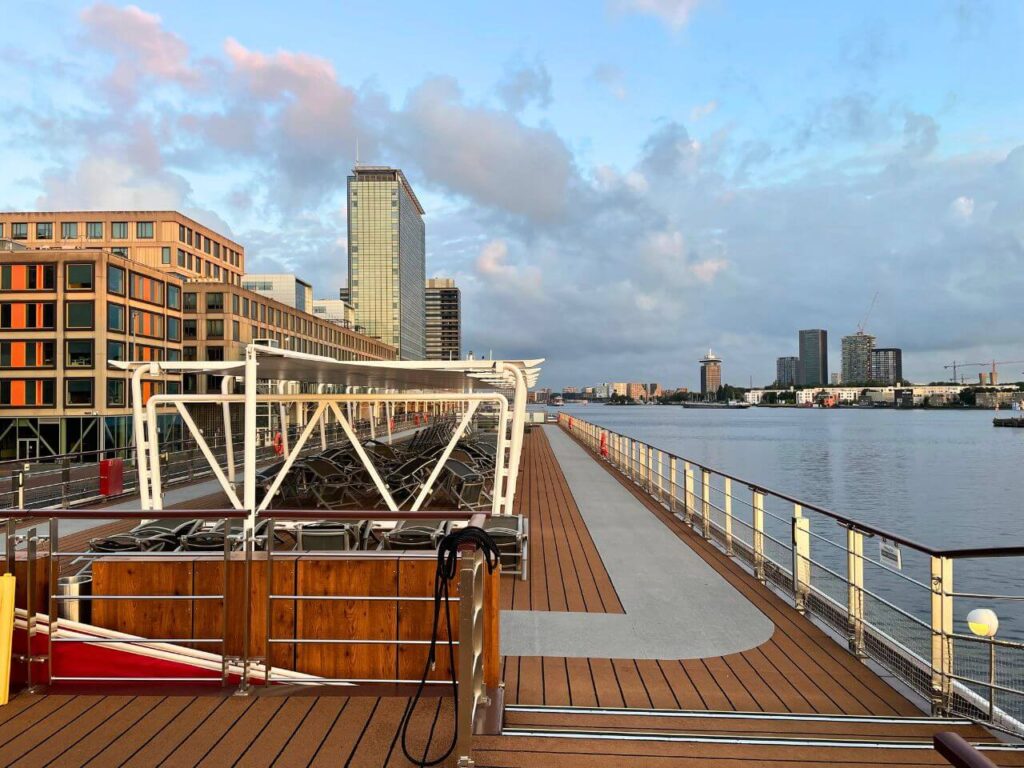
(220, 320)
(165, 240)
(287, 289)
(65, 314)
(444, 319)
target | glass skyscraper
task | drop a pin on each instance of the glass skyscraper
(814, 358)
(387, 259)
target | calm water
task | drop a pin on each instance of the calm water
(946, 479)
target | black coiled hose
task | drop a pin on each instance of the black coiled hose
(447, 568)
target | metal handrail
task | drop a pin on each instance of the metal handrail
(918, 651)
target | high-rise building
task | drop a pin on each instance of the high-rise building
(857, 350)
(787, 371)
(710, 373)
(387, 258)
(653, 390)
(444, 319)
(636, 390)
(285, 288)
(887, 365)
(813, 358)
(835, 379)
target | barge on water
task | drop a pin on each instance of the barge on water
(647, 610)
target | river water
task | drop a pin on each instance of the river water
(947, 479)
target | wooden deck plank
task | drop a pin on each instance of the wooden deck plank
(104, 733)
(154, 749)
(581, 683)
(658, 689)
(250, 725)
(687, 696)
(262, 749)
(20, 741)
(210, 732)
(708, 689)
(25, 709)
(342, 740)
(306, 740)
(633, 691)
(606, 684)
(71, 731)
(556, 681)
(123, 746)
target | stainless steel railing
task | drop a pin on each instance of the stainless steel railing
(898, 608)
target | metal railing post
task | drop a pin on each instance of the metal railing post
(757, 537)
(705, 502)
(801, 558)
(942, 628)
(688, 497)
(855, 590)
(672, 484)
(470, 651)
(727, 490)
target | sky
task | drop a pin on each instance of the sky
(616, 185)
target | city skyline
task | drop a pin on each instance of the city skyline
(625, 159)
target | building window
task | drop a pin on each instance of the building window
(215, 302)
(245, 307)
(174, 355)
(115, 318)
(19, 230)
(27, 354)
(234, 303)
(19, 315)
(191, 305)
(215, 353)
(115, 280)
(79, 277)
(78, 392)
(78, 315)
(115, 351)
(27, 277)
(188, 236)
(173, 297)
(21, 392)
(115, 393)
(69, 230)
(191, 328)
(199, 265)
(189, 354)
(165, 255)
(78, 353)
(94, 230)
(148, 324)
(144, 230)
(147, 289)
(215, 329)
(236, 331)
(181, 258)
(206, 243)
(119, 230)
(173, 329)
(119, 251)
(181, 233)
(44, 230)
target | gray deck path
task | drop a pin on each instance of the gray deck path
(676, 605)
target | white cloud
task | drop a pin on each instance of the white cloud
(706, 271)
(673, 13)
(961, 210)
(703, 110)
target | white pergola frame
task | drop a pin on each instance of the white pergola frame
(466, 374)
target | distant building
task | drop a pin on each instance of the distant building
(813, 358)
(787, 371)
(444, 319)
(710, 373)
(636, 390)
(835, 379)
(387, 258)
(336, 311)
(887, 365)
(287, 289)
(653, 390)
(619, 388)
(857, 358)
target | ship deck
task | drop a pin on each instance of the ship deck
(685, 700)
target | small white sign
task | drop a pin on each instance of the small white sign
(889, 553)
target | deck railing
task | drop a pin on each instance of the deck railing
(898, 607)
(73, 479)
(33, 551)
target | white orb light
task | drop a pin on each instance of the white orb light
(983, 622)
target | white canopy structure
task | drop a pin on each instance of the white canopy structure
(466, 383)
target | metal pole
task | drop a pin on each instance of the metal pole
(672, 484)
(727, 490)
(941, 625)
(855, 599)
(249, 476)
(229, 447)
(705, 502)
(991, 679)
(688, 505)
(801, 558)
(758, 534)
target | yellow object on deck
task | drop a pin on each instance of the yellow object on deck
(6, 634)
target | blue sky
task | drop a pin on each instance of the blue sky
(616, 185)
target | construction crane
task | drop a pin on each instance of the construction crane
(864, 322)
(993, 376)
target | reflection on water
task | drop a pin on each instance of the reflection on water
(947, 479)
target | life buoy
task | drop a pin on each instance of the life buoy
(278, 444)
